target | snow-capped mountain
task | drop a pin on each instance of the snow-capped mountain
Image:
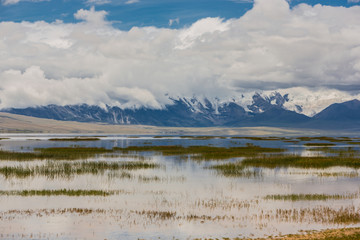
(274, 109)
(251, 103)
(298, 99)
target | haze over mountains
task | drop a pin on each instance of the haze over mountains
(274, 110)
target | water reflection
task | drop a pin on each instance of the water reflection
(182, 198)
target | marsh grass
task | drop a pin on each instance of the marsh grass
(203, 137)
(319, 144)
(203, 152)
(354, 143)
(60, 192)
(75, 139)
(132, 156)
(320, 214)
(291, 141)
(263, 138)
(54, 169)
(235, 170)
(310, 197)
(51, 212)
(328, 234)
(333, 149)
(323, 138)
(142, 178)
(275, 161)
(338, 174)
(158, 215)
(149, 179)
(195, 152)
(340, 152)
(347, 174)
(225, 204)
(64, 153)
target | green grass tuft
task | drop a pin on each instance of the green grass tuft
(235, 170)
(310, 197)
(65, 153)
(203, 152)
(319, 144)
(301, 162)
(54, 169)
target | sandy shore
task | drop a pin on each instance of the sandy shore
(12, 123)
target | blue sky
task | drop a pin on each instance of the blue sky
(128, 13)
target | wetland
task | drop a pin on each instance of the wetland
(55, 186)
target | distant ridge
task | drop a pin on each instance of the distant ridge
(195, 113)
(344, 115)
(12, 123)
(346, 111)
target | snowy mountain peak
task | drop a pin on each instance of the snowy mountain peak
(253, 103)
(262, 110)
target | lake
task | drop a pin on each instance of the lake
(182, 187)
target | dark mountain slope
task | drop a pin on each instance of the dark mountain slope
(268, 111)
(346, 111)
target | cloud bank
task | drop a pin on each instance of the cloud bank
(272, 47)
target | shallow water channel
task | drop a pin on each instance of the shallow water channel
(181, 197)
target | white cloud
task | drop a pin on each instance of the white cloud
(172, 21)
(131, 1)
(271, 47)
(353, 1)
(313, 101)
(97, 2)
(10, 2)
(91, 16)
(201, 31)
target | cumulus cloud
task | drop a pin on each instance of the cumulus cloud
(271, 47)
(202, 31)
(91, 16)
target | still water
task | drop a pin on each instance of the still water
(180, 199)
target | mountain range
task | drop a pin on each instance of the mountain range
(196, 112)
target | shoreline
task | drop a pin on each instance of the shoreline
(12, 123)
